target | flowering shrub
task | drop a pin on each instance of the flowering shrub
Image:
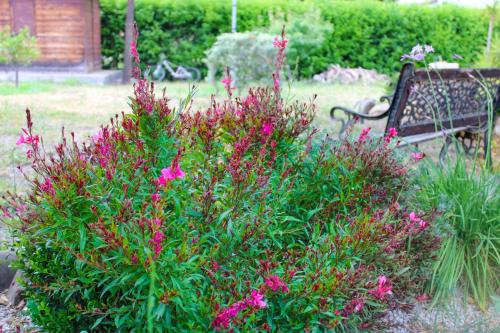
(237, 217)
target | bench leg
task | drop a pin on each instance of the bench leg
(444, 150)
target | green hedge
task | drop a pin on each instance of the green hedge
(368, 34)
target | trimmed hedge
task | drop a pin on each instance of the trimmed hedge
(368, 34)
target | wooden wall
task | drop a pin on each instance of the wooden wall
(67, 31)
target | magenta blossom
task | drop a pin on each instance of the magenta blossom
(224, 318)
(384, 288)
(364, 133)
(27, 140)
(133, 51)
(413, 217)
(169, 174)
(47, 187)
(417, 156)
(390, 134)
(276, 284)
(228, 84)
(267, 129)
(256, 300)
(280, 43)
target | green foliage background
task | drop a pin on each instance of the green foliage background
(365, 33)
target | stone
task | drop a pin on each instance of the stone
(379, 109)
(15, 293)
(6, 272)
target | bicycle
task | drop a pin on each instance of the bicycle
(164, 67)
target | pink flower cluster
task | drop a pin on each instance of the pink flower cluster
(267, 129)
(133, 51)
(47, 187)
(224, 318)
(391, 133)
(158, 238)
(228, 83)
(276, 284)
(169, 174)
(415, 219)
(364, 134)
(384, 288)
(417, 156)
(28, 140)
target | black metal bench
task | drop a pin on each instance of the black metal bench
(428, 104)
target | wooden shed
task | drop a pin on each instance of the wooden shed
(68, 32)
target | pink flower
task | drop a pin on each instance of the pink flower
(21, 208)
(169, 174)
(228, 82)
(391, 134)
(27, 140)
(413, 217)
(5, 213)
(133, 51)
(21, 140)
(47, 187)
(214, 265)
(276, 82)
(276, 284)
(364, 134)
(267, 129)
(384, 288)
(256, 300)
(417, 156)
(224, 318)
(134, 258)
(155, 197)
(280, 44)
(158, 237)
(98, 137)
(423, 224)
(422, 297)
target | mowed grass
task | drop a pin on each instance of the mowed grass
(83, 108)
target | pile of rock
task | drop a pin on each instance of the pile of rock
(337, 74)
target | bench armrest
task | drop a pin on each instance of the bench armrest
(351, 113)
(387, 98)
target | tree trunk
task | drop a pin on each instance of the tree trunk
(129, 31)
(16, 70)
(490, 36)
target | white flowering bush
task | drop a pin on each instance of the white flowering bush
(249, 56)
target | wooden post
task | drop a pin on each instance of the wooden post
(129, 31)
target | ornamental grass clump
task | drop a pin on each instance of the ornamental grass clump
(233, 218)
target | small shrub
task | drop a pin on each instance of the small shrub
(249, 56)
(18, 50)
(232, 218)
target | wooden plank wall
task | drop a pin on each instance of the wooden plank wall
(5, 12)
(60, 29)
(67, 31)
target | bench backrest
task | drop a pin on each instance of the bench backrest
(430, 100)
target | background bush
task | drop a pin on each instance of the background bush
(369, 34)
(250, 56)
